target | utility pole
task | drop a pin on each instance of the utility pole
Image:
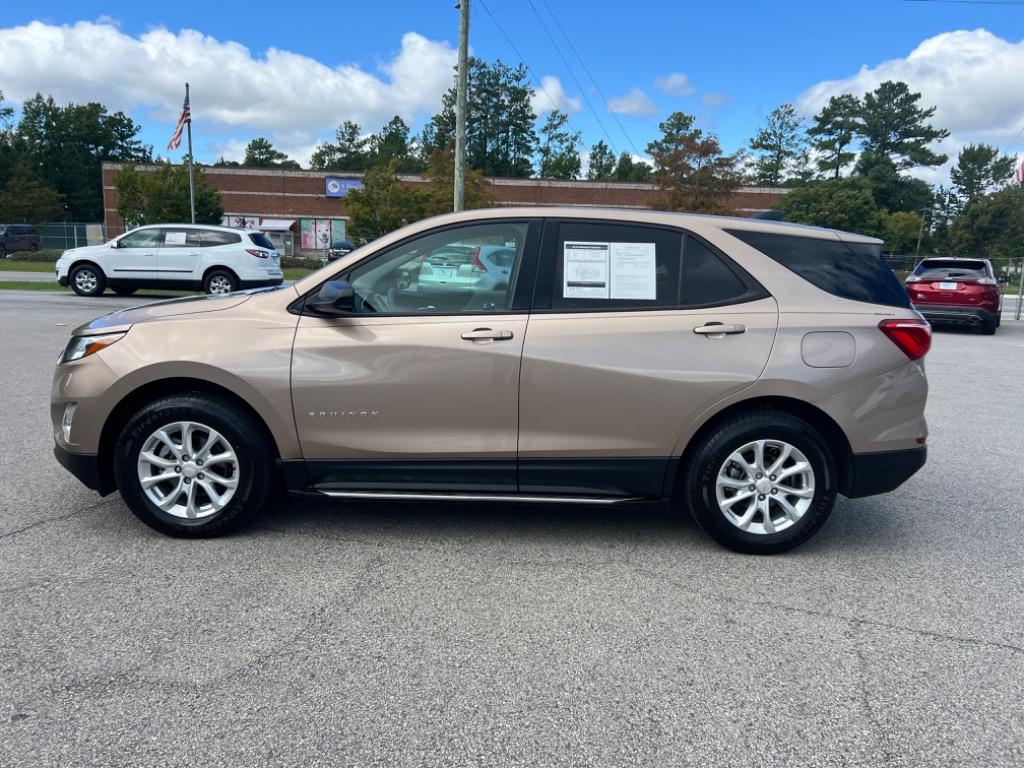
(460, 107)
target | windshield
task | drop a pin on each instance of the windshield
(941, 268)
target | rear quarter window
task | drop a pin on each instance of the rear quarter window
(261, 240)
(211, 238)
(854, 271)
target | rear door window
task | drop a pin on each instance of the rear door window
(179, 238)
(853, 271)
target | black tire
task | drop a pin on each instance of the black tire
(83, 285)
(710, 456)
(247, 438)
(988, 328)
(34, 247)
(218, 277)
(123, 290)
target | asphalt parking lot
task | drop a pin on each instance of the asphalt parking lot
(412, 635)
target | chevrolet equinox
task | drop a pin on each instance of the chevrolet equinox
(746, 370)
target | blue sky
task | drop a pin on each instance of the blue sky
(358, 60)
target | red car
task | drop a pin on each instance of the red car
(957, 291)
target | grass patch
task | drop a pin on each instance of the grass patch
(47, 256)
(6, 265)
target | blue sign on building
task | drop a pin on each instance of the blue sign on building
(337, 187)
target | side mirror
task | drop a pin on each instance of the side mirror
(1003, 280)
(334, 298)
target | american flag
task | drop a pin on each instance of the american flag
(1018, 175)
(184, 117)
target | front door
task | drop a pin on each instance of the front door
(135, 256)
(622, 353)
(417, 390)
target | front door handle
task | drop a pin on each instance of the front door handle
(487, 334)
(720, 329)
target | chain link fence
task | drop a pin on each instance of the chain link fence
(61, 235)
(1009, 271)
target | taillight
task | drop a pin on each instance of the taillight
(913, 337)
(477, 264)
(256, 253)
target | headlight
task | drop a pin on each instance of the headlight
(83, 346)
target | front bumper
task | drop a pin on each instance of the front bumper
(874, 473)
(63, 281)
(955, 314)
(85, 467)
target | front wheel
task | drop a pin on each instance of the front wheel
(762, 483)
(219, 282)
(87, 280)
(194, 465)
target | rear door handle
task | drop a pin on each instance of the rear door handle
(487, 334)
(720, 329)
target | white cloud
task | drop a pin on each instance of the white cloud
(972, 77)
(636, 102)
(288, 96)
(715, 100)
(551, 95)
(675, 84)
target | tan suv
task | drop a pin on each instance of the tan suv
(746, 370)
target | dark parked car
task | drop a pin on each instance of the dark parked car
(958, 292)
(18, 237)
(339, 248)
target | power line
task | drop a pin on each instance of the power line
(572, 74)
(592, 79)
(522, 58)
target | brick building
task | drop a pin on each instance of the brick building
(303, 209)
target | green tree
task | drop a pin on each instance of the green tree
(601, 165)
(557, 153)
(440, 174)
(777, 144)
(892, 123)
(992, 226)
(833, 131)
(628, 169)
(979, 168)
(845, 204)
(892, 190)
(65, 147)
(224, 163)
(500, 136)
(24, 200)
(160, 195)
(901, 230)
(944, 210)
(392, 145)
(383, 204)
(260, 153)
(348, 152)
(691, 169)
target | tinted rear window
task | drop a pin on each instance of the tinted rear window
(262, 241)
(849, 270)
(951, 268)
(213, 237)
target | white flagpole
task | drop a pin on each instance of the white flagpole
(191, 182)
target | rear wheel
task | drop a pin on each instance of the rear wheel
(194, 465)
(123, 290)
(88, 280)
(988, 327)
(762, 483)
(220, 281)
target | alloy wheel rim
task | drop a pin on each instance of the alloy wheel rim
(85, 279)
(765, 486)
(188, 470)
(220, 285)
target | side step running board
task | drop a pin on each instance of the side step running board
(516, 497)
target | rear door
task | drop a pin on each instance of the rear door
(635, 330)
(179, 258)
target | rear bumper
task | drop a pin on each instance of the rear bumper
(955, 314)
(85, 467)
(874, 473)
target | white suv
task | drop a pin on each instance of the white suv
(173, 256)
